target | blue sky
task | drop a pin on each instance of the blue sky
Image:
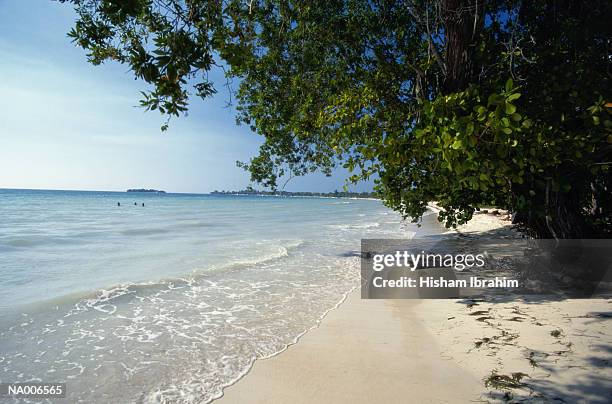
(65, 124)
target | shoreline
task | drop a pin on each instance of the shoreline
(246, 388)
(364, 351)
(224, 389)
(296, 339)
(345, 359)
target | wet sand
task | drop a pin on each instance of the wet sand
(366, 351)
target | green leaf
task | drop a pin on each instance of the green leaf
(469, 129)
(495, 99)
(510, 109)
(514, 96)
(509, 85)
(457, 144)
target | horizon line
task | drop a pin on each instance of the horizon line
(169, 192)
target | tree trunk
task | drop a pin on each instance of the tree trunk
(463, 20)
(562, 219)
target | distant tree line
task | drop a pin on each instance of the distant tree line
(146, 190)
(336, 194)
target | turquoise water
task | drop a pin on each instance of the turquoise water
(174, 300)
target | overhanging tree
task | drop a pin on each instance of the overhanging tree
(465, 102)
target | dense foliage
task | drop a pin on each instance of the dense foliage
(465, 102)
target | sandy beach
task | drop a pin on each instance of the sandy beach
(537, 348)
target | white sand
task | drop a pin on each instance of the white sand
(560, 348)
(437, 351)
(367, 351)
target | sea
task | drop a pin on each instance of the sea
(172, 301)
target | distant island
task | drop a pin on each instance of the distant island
(147, 190)
(335, 194)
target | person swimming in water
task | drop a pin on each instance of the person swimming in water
(143, 204)
(118, 203)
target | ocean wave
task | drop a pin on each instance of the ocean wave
(196, 224)
(355, 226)
(192, 391)
(35, 241)
(192, 337)
(146, 231)
(93, 300)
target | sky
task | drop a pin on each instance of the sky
(66, 124)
